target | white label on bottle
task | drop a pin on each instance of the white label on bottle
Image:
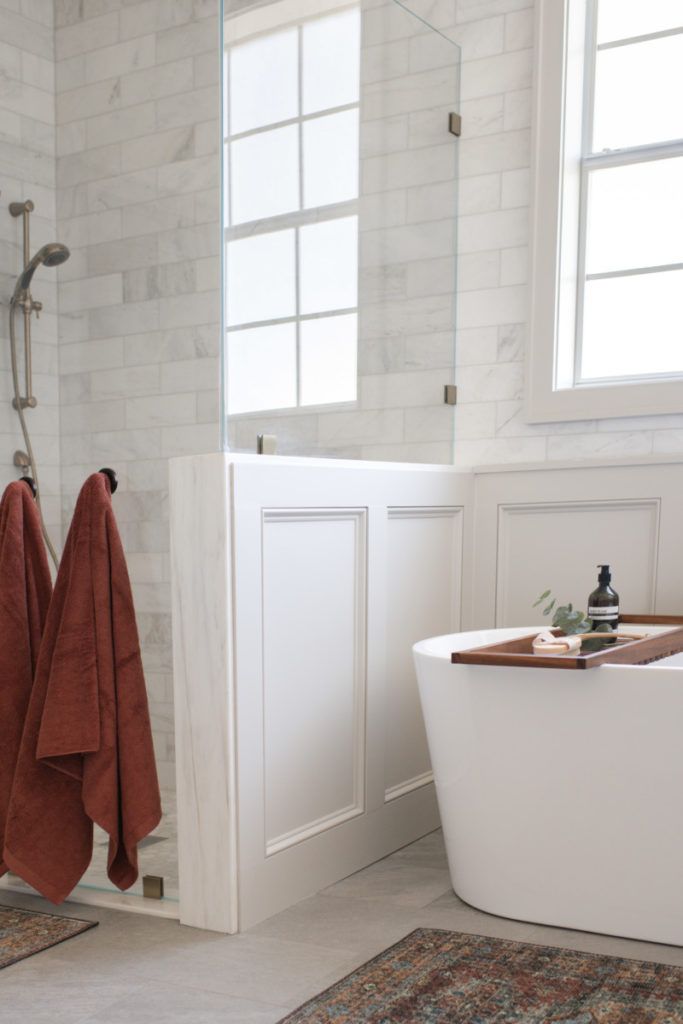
(603, 613)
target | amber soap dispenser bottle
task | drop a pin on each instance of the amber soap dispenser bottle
(603, 603)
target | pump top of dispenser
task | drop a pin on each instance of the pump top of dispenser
(605, 575)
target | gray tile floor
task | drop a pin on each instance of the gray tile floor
(143, 970)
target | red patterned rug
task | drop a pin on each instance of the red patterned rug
(439, 977)
(24, 932)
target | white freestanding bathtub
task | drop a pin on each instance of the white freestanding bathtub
(560, 792)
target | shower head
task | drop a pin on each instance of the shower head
(51, 255)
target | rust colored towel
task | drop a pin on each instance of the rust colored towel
(25, 591)
(86, 754)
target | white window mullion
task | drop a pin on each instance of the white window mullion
(300, 87)
(634, 271)
(634, 154)
(291, 220)
(304, 318)
(227, 153)
(299, 119)
(646, 38)
(588, 107)
(587, 145)
(297, 246)
(581, 271)
(589, 75)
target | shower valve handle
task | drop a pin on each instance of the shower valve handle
(30, 305)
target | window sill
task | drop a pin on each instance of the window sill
(605, 401)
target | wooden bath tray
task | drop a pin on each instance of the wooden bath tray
(518, 653)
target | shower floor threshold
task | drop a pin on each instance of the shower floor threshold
(99, 898)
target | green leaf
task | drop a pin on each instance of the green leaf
(570, 620)
(544, 596)
(560, 615)
(547, 611)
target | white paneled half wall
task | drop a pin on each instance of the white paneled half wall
(313, 637)
(622, 533)
(424, 587)
(299, 587)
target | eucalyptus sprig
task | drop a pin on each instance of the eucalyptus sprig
(565, 617)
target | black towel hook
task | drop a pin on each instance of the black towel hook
(112, 478)
(30, 482)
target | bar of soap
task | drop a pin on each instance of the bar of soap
(546, 643)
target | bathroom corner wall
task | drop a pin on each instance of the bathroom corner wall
(27, 171)
(138, 193)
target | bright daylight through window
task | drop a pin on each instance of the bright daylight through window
(607, 278)
(291, 214)
(630, 311)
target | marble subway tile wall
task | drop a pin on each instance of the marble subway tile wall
(496, 39)
(27, 171)
(407, 236)
(138, 193)
(493, 230)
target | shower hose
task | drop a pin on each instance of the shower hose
(25, 431)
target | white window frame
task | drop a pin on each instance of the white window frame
(562, 88)
(275, 18)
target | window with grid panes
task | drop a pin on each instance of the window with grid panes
(291, 214)
(606, 335)
(630, 303)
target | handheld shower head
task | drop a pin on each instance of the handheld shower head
(51, 255)
(54, 254)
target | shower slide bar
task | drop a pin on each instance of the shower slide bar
(51, 255)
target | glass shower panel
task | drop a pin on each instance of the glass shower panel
(262, 270)
(330, 159)
(262, 86)
(329, 360)
(340, 202)
(328, 265)
(265, 358)
(264, 177)
(330, 53)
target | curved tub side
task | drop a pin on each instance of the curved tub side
(561, 793)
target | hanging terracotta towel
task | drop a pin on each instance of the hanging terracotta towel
(86, 754)
(25, 591)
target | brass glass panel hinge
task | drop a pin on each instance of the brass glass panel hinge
(455, 123)
(450, 394)
(266, 444)
(153, 887)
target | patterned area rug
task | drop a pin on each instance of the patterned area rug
(439, 977)
(23, 933)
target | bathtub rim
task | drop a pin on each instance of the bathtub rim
(440, 648)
